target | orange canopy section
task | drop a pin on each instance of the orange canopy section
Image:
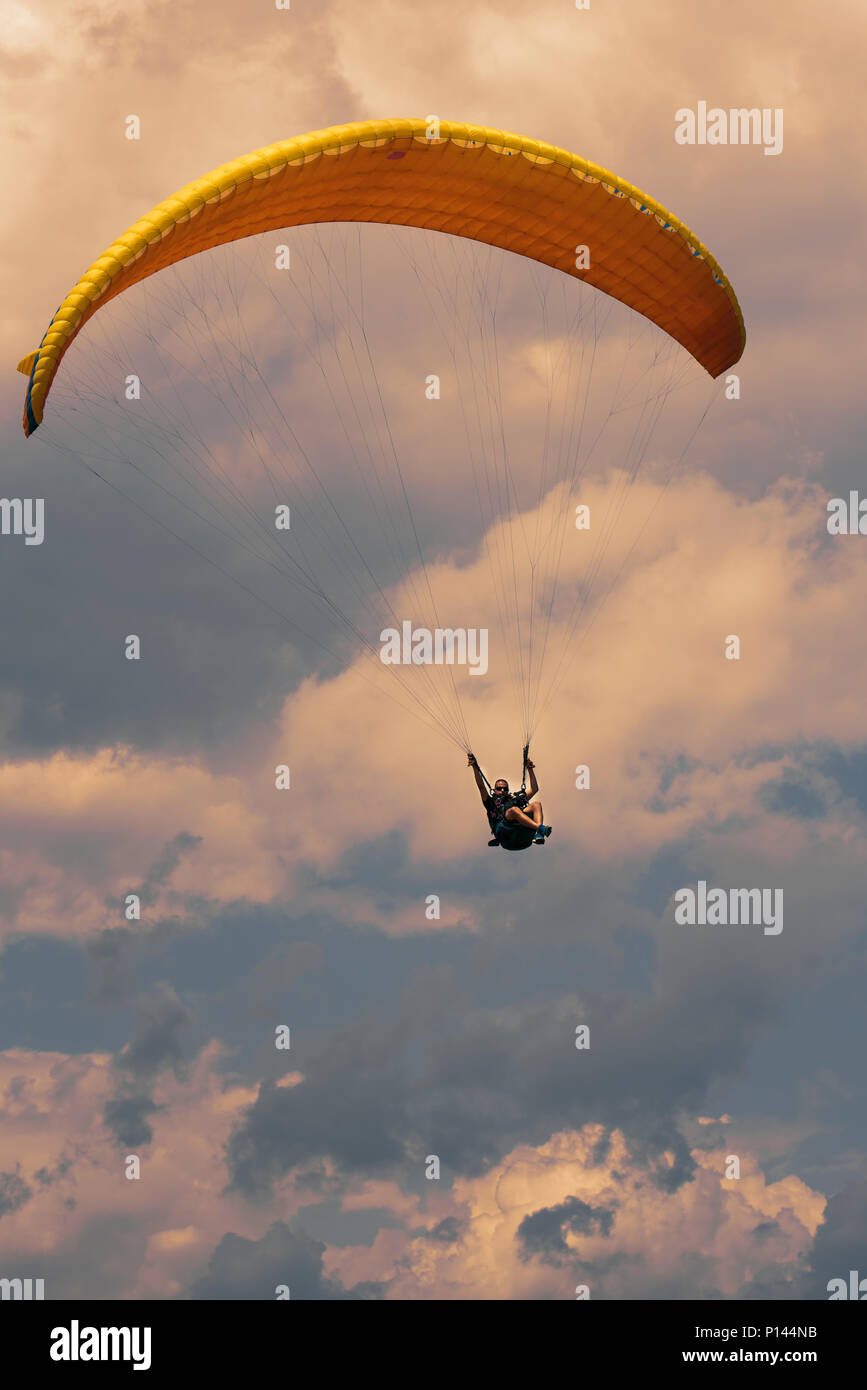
(491, 186)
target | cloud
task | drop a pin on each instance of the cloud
(244, 1269)
(660, 755)
(158, 777)
(161, 1021)
(492, 1076)
(543, 1234)
(548, 1218)
(166, 1226)
(841, 1240)
(14, 1192)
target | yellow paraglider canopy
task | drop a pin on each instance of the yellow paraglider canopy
(488, 185)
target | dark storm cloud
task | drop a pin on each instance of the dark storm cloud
(242, 1269)
(14, 1192)
(441, 1072)
(448, 1230)
(46, 1177)
(127, 1119)
(100, 1260)
(156, 1044)
(841, 1241)
(767, 1285)
(848, 768)
(163, 868)
(766, 1229)
(161, 1019)
(117, 952)
(435, 1063)
(336, 1226)
(111, 952)
(818, 774)
(441, 1075)
(211, 661)
(792, 795)
(543, 1233)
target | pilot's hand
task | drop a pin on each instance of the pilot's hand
(471, 762)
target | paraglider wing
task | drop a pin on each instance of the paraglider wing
(488, 185)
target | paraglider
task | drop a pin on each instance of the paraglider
(363, 565)
(515, 818)
(472, 181)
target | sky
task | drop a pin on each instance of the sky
(416, 1037)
